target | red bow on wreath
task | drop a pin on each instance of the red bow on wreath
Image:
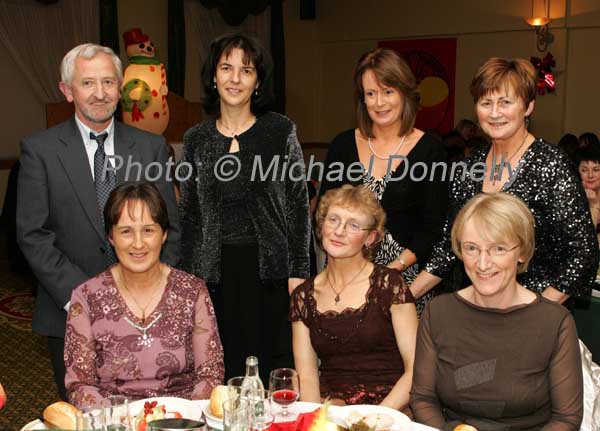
(545, 77)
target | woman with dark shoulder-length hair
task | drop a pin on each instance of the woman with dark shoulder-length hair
(530, 168)
(141, 328)
(397, 161)
(245, 230)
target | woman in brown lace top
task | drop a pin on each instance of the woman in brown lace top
(496, 355)
(358, 318)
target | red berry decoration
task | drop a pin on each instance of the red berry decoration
(545, 77)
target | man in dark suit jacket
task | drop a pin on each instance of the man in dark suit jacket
(60, 228)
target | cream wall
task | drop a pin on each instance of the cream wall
(21, 114)
(321, 55)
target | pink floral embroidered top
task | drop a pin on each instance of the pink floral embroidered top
(107, 353)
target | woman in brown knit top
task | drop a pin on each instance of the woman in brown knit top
(496, 355)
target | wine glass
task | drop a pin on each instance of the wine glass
(284, 385)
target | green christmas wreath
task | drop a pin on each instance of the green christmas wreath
(145, 99)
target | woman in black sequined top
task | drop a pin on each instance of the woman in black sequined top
(245, 229)
(566, 255)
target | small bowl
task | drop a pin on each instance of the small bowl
(176, 425)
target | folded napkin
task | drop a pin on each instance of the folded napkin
(302, 423)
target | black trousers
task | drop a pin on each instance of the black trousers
(56, 347)
(252, 314)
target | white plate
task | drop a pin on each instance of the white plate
(35, 425)
(211, 421)
(401, 421)
(189, 409)
(297, 408)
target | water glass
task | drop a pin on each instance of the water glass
(116, 413)
(236, 415)
(90, 419)
(234, 385)
(261, 411)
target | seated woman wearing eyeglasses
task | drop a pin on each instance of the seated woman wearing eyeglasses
(358, 318)
(496, 355)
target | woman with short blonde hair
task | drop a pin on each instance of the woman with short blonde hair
(501, 216)
(356, 317)
(496, 355)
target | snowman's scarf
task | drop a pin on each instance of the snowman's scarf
(140, 59)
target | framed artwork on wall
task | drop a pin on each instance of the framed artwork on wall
(433, 61)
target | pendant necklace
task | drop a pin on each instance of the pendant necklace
(144, 339)
(337, 294)
(391, 154)
(234, 133)
(497, 167)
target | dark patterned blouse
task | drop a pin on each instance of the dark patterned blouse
(566, 248)
(108, 350)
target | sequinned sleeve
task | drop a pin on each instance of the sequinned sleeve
(208, 352)
(189, 211)
(578, 244)
(424, 401)
(81, 378)
(297, 212)
(566, 380)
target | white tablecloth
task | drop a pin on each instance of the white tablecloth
(299, 407)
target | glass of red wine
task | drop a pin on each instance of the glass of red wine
(284, 386)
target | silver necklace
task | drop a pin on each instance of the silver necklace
(497, 167)
(391, 154)
(144, 339)
(135, 300)
(234, 133)
(337, 294)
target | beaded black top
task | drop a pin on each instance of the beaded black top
(566, 249)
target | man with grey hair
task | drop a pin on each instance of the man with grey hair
(66, 175)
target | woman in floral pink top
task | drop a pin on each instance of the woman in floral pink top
(141, 328)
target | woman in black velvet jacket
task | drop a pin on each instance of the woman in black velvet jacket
(244, 208)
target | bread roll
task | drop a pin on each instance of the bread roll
(61, 415)
(217, 397)
(464, 427)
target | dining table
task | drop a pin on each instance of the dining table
(199, 410)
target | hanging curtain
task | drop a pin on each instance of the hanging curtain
(37, 36)
(177, 46)
(278, 53)
(234, 12)
(202, 25)
(109, 24)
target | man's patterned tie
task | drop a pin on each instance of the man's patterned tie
(105, 182)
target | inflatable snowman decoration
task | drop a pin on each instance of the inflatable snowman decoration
(144, 91)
